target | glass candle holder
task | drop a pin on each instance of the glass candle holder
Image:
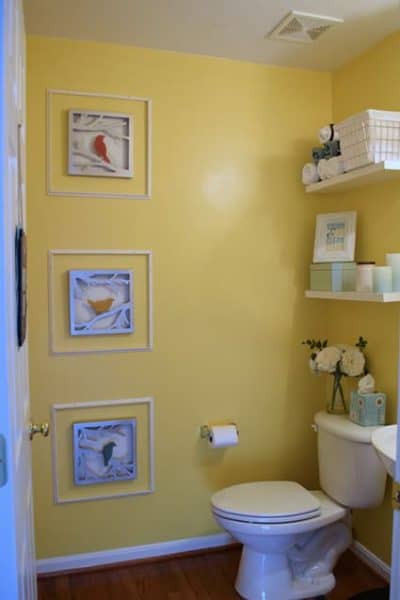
(393, 260)
(382, 279)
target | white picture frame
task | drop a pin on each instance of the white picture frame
(335, 237)
(104, 451)
(100, 144)
(62, 431)
(54, 343)
(54, 188)
(101, 302)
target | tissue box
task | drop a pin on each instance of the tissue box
(368, 409)
(333, 277)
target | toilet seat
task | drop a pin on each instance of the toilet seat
(266, 502)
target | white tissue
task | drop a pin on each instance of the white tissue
(330, 167)
(310, 174)
(221, 436)
(366, 385)
(325, 134)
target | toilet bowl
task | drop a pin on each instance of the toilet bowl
(283, 529)
(292, 537)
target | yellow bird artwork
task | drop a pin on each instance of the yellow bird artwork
(101, 306)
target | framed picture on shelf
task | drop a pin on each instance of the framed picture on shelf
(335, 237)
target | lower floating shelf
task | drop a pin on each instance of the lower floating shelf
(375, 173)
(355, 296)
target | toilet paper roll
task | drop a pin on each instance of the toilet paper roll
(222, 436)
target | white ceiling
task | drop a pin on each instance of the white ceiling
(227, 28)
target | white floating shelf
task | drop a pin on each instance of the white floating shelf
(355, 296)
(379, 172)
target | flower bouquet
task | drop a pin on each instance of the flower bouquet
(340, 361)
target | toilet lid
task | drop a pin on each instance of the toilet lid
(266, 502)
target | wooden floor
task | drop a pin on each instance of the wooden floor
(203, 577)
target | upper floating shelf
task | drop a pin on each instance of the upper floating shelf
(355, 296)
(383, 171)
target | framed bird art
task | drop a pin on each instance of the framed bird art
(100, 144)
(104, 451)
(101, 302)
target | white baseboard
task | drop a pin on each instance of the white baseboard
(108, 557)
(369, 558)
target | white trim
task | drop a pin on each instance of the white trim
(371, 560)
(109, 557)
(49, 146)
(101, 404)
(150, 325)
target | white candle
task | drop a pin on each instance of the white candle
(382, 277)
(364, 277)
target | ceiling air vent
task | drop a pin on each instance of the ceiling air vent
(302, 27)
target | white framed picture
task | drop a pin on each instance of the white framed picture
(104, 451)
(101, 302)
(335, 237)
(100, 144)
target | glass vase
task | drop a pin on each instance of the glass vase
(337, 404)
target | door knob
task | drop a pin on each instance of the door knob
(43, 428)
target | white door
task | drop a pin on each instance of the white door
(17, 564)
(395, 573)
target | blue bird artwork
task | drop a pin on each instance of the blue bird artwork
(107, 452)
(104, 451)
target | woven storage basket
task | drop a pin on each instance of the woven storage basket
(369, 137)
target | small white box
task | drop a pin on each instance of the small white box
(369, 137)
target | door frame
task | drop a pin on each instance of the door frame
(395, 566)
(17, 565)
(9, 562)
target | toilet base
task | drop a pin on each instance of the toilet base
(290, 561)
(264, 576)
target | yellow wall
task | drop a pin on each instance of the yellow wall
(371, 81)
(231, 231)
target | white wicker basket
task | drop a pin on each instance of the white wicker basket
(369, 137)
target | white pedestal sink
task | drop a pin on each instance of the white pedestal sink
(384, 441)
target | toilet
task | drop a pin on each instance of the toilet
(293, 537)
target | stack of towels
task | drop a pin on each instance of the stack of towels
(327, 161)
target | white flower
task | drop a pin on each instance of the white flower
(327, 359)
(353, 362)
(366, 385)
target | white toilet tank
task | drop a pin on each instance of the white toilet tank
(350, 471)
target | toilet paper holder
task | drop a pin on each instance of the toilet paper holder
(205, 430)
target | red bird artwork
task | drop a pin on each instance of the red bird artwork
(100, 148)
